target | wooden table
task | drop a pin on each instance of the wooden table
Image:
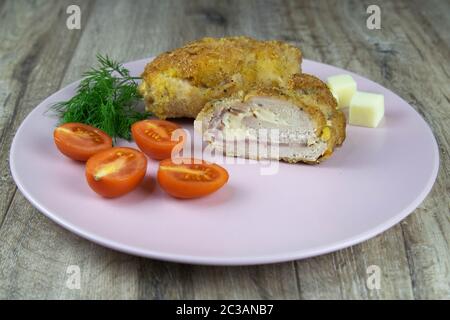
(409, 55)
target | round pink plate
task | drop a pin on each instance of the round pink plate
(290, 212)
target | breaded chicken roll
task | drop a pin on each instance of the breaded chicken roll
(296, 124)
(179, 83)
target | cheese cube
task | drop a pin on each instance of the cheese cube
(366, 109)
(343, 86)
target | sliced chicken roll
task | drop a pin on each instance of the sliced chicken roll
(314, 92)
(272, 123)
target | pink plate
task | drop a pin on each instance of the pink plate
(371, 183)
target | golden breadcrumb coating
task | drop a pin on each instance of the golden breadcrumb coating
(314, 92)
(180, 82)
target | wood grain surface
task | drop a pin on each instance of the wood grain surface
(409, 55)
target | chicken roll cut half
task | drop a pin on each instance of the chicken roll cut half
(269, 124)
(180, 82)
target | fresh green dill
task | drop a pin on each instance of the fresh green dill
(106, 99)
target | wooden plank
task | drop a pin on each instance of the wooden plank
(344, 274)
(403, 53)
(427, 232)
(345, 41)
(274, 281)
(35, 48)
(30, 69)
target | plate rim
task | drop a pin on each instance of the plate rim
(229, 261)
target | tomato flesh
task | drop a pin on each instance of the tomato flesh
(154, 138)
(191, 179)
(116, 171)
(80, 141)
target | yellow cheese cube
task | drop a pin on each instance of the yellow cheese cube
(344, 87)
(366, 109)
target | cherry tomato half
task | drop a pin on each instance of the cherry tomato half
(154, 138)
(80, 141)
(116, 171)
(191, 179)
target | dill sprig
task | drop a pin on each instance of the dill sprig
(106, 99)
